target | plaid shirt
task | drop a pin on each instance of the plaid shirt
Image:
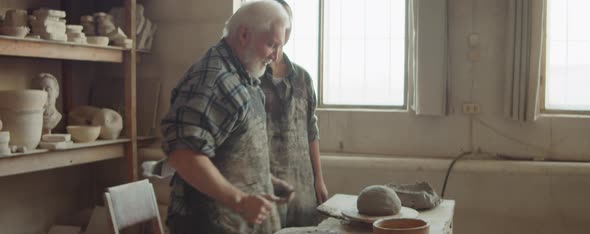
(217, 109)
(208, 103)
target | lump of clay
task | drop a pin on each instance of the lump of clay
(378, 200)
(82, 115)
(111, 123)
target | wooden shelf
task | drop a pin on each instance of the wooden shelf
(78, 153)
(36, 48)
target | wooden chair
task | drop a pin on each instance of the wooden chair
(132, 204)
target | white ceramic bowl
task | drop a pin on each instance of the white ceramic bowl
(98, 40)
(82, 133)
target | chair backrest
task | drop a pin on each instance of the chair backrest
(131, 204)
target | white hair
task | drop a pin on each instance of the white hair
(258, 16)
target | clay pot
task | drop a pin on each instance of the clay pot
(15, 18)
(401, 226)
(4, 139)
(28, 99)
(83, 133)
(22, 114)
(20, 31)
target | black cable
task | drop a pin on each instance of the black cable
(442, 194)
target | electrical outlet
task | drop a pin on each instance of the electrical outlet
(471, 108)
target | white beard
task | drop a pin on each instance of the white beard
(254, 67)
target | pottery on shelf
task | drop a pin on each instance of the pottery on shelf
(4, 139)
(111, 123)
(98, 40)
(82, 133)
(20, 31)
(22, 114)
(15, 18)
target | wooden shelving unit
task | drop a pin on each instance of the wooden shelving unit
(31, 180)
(37, 160)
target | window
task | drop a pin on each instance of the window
(567, 61)
(364, 53)
(363, 58)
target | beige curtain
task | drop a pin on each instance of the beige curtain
(428, 57)
(526, 42)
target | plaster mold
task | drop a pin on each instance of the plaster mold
(49, 24)
(22, 114)
(111, 123)
(56, 137)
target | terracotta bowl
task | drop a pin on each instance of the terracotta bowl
(401, 226)
(15, 31)
(83, 133)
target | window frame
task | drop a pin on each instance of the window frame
(320, 81)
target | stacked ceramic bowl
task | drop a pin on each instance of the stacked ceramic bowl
(75, 34)
(15, 23)
(49, 24)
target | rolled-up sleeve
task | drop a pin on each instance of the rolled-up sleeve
(200, 119)
(313, 131)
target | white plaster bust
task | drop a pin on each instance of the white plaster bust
(51, 116)
(111, 123)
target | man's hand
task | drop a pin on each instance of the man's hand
(283, 190)
(255, 208)
(321, 192)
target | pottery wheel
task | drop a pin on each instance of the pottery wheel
(354, 215)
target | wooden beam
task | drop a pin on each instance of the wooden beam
(130, 67)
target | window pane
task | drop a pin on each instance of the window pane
(568, 63)
(303, 46)
(364, 52)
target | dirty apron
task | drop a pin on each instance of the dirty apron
(289, 111)
(243, 160)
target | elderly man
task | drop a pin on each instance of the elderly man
(215, 131)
